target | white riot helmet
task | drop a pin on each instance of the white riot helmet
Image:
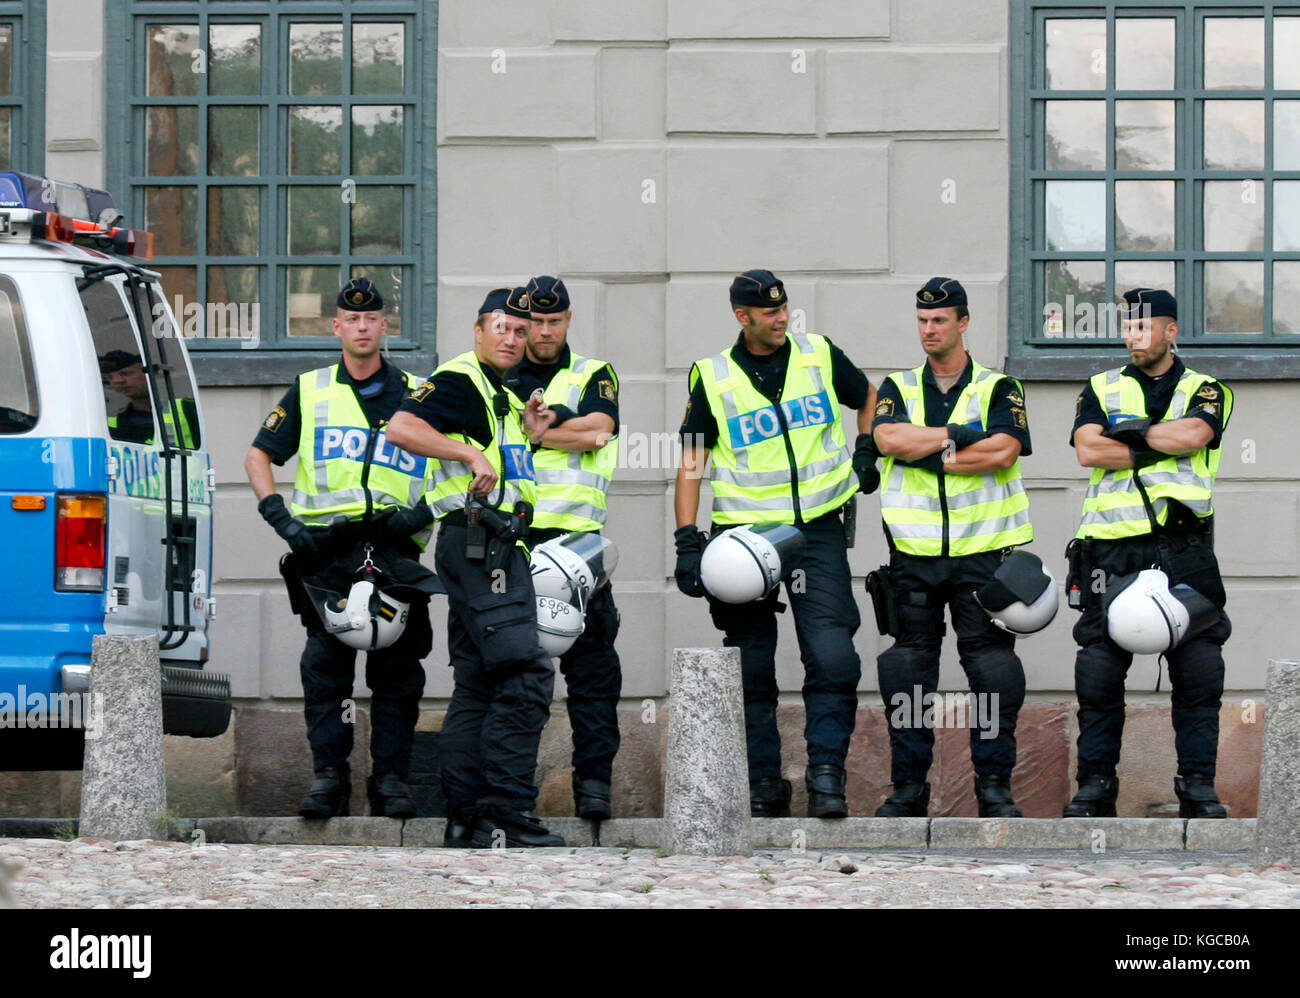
(746, 563)
(1021, 597)
(567, 571)
(1145, 616)
(366, 618)
(571, 568)
(559, 625)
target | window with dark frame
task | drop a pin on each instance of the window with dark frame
(1159, 146)
(275, 151)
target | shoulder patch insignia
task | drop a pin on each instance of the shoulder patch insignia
(885, 407)
(1015, 398)
(422, 391)
(607, 390)
(687, 414)
(1018, 415)
(1078, 406)
(1208, 392)
(273, 421)
(1211, 407)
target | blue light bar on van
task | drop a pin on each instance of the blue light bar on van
(24, 190)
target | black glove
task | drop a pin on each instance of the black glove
(931, 462)
(562, 413)
(864, 463)
(1144, 456)
(690, 547)
(398, 523)
(1129, 431)
(963, 436)
(300, 538)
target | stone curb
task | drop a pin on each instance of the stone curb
(1085, 834)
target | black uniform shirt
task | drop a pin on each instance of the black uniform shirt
(450, 402)
(767, 374)
(600, 395)
(1006, 410)
(1157, 393)
(379, 395)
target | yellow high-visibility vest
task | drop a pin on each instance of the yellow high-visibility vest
(345, 464)
(772, 461)
(952, 515)
(572, 485)
(450, 480)
(1113, 506)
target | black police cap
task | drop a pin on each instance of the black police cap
(548, 294)
(360, 295)
(511, 301)
(942, 292)
(1148, 303)
(758, 289)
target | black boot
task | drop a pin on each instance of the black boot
(910, 799)
(390, 797)
(1196, 797)
(503, 827)
(769, 798)
(1095, 799)
(825, 783)
(993, 793)
(459, 833)
(591, 799)
(328, 796)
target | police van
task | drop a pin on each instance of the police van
(105, 479)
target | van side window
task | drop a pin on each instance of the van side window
(126, 389)
(169, 354)
(19, 406)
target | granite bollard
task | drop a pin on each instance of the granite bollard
(706, 785)
(124, 785)
(1277, 831)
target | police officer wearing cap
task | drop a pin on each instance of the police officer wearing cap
(483, 494)
(789, 464)
(953, 504)
(574, 466)
(1151, 432)
(352, 484)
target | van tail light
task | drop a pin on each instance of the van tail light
(79, 543)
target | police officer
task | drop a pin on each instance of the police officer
(1151, 432)
(483, 493)
(953, 505)
(789, 464)
(352, 486)
(123, 372)
(574, 467)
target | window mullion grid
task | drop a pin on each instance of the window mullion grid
(201, 197)
(345, 154)
(1266, 316)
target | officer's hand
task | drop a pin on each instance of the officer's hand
(1129, 431)
(300, 538)
(864, 463)
(400, 522)
(690, 546)
(538, 417)
(485, 479)
(963, 436)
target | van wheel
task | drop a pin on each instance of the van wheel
(195, 702)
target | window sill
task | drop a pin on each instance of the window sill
(1253, 366)
(266, 367)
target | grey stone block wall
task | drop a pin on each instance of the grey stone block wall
(646, 152)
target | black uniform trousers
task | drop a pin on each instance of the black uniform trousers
(488, 747)
(1195, 670)
(396, 682)
(986, 652)
(825, 619)
(593, 677)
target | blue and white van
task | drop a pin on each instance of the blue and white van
(105, 480)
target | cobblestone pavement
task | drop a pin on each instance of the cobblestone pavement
(93, 873)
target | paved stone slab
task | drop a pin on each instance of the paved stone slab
(299, 831)
(1095, 834)
(845, 833)
(1233, 835)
